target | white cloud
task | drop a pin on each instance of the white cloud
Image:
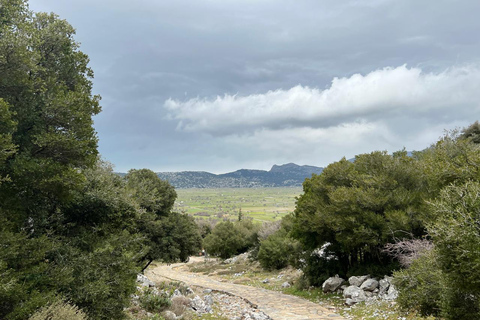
(386, 94)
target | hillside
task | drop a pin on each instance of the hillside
(287, 175)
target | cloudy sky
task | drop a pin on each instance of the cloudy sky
(219, 85)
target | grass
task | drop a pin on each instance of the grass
(262, 204)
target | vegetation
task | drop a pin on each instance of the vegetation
(70, 229)
(260, 204)
(230, 238)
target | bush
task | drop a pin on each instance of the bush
(228, 239)
(456, 235)
(420, 286)
(278, 251)
(59, 310)
(153, 302)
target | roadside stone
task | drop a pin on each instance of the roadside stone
(208, 300)
(198, 305)
(265, 281)
(357, 281)
(332, 284)
(144, 281)
(392, 293)
(355, 294)
(286, 285)
(177, 293)
(369, 285)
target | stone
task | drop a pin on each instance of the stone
(169, 315)
(355, 294)
(265, 281)
(208, 300)
(369, 285)
(207, 291)
(384, 284)
(198, 305)
(332, 284)
(286, 285)
(189, 291)
(177, 293)
(144, 281)
(392, 293)
(357, 281)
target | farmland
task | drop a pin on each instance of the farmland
(261, 204)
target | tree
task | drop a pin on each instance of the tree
(47, 85)
(354, 209)
(456, 235)
(170, 236)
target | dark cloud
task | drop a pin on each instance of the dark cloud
(145, 52)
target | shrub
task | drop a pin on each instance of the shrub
(278, 251)
(420, 286)
(154, 302)
(59, 310)
(228, 239)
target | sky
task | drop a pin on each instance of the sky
(219, 85)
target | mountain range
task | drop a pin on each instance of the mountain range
(287, 175)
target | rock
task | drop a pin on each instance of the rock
(357, 281)
(349, 302)
(189, 291)
(286, 285)
(392, 293)
(198, 305)
(208, 300)
(144, 281)
(332, 284)
(265, 281)
(369, 285)
(207, 291)
(177, 293)
(368, 294)
(343, 287)
(384, 284)
(169, 315)
(355, 294)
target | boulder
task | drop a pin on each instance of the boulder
(198, 305)
(332, 284)
(357, 281)
(392, 293)
(384, 284)
(208, 300)
(144, 281)
(369, 285)
(355, 294)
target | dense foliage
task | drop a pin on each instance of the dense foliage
(354, 208)
(70, 229)
(230, 238)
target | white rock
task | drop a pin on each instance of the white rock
(369, 285)
(144, 281)
(355, 294)
(357, 281)
(286, 285)
(332, 284)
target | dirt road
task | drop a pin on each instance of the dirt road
(277, 305)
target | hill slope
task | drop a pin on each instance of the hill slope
(287, 175)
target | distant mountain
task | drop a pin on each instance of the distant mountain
(287, 175)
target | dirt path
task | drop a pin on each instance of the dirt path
(277, 305)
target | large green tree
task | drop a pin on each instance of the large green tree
(68, 226)
(354, 208)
